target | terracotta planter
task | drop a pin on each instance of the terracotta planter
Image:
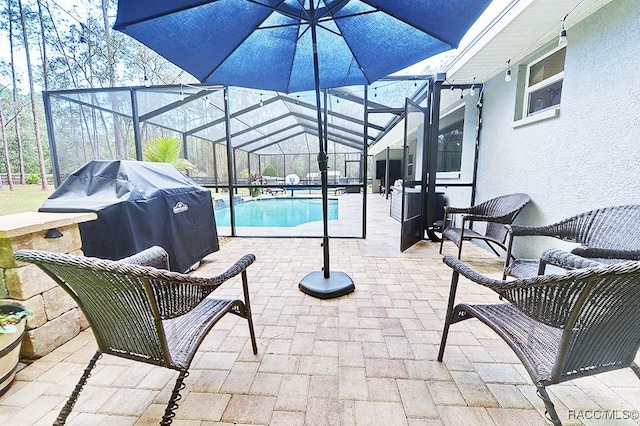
(10, 349)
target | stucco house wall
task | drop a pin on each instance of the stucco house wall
(587, 157)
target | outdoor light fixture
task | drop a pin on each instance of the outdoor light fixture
(53, 233)
(472, 92)
(261, 103)
(147, 82)
(507, 75)
(562, 38)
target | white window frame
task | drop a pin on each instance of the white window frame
(546, 82)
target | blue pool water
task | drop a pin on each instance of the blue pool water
(277, 212)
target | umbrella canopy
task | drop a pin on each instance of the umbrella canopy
(297, 45)
(266, 44)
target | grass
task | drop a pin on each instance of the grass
(23, 198)
(29, 198)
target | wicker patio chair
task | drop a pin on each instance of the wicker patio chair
(142, 313)
(605, 235)
(563, 326)
(497, 213)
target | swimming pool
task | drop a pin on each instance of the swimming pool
(277, 212)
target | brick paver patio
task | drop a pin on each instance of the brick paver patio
(368, 358)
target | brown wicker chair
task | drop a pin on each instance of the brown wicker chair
(142, 313)
(561, 327)
(497, 213)
(606, 235)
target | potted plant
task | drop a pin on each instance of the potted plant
(12, 324)
(255, 179)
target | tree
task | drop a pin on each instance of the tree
(16, 104)
(269, 170)
(34, 113)
(43, 44)
(5, 144)
(163, 149)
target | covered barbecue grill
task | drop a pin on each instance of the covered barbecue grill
(139, 204)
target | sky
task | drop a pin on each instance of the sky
(489, 14)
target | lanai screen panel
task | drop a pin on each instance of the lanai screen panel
(182, 108)
(91, 125)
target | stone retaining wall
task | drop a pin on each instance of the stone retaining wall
(56, 318)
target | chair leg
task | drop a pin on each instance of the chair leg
(247, 304)
(636, 369)
(449, 318)
(172, 406)
(441, 242)
(66, 410)
(550, 409)
(492, 248)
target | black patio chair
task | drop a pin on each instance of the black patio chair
(497, 213)
(562, 326)
(142, 313)
(605, 235)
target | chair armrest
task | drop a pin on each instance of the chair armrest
(457, 210)
(177, 294)
(603, 253)
(484, 218)
(566, 260)
(463, 269)
(549, 299)
(237, 268)
(470, 216)
(149, 257)
(522, 230)
(561, 231)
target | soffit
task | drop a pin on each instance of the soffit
(522, 27)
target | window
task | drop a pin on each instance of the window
(450, 141)
(543, 86)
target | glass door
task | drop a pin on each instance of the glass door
(413, 189)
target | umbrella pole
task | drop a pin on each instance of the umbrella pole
(323, 160)
(321, 283)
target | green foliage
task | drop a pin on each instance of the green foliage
(32, 179)
(269, 170)
(163, 149)
(254, 192)
(9, 320)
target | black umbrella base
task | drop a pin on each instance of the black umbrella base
(315, 284)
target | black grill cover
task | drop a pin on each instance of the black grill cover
(139, 204)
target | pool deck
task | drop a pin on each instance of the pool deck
(368, 358)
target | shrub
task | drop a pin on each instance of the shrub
(269, 170)
(32, 179)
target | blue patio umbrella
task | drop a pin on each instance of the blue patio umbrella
(297, 45)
